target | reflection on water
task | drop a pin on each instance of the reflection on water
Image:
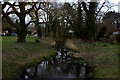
(59, 66)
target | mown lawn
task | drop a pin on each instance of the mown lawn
(102, 56)
(17, 55)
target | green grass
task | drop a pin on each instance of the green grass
(103, 58)
(18, 55)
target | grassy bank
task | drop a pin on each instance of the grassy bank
(102, 56)
(16, 55)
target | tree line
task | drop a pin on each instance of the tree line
(58, 19)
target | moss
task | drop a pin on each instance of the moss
(81, 62)
(75, 61)
(90, 75)
(74, 50)
(50, 53)
(33, 62)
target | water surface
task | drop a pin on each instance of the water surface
(61, 65)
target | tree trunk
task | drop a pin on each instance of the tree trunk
(90, 20)
(22, 32)
(21, 38)
(39, 31)
(54, 33)
(38, 28)
(45, 32)
(48, 30)
(54, 29)
(92, 39)
(79, 26)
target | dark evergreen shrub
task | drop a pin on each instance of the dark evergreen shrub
(101, 33)
(118, 38)
(37, 41)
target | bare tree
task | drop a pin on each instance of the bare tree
(21, 27)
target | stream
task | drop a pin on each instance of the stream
(60, 65)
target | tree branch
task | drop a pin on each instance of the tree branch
(43, 22)
(84, 6)
(99, 10)
(8, 13)
(11, 22)
(29, 23)
(13, 7)
(29, 10)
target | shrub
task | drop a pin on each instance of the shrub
(60, 43)
(101, 33)
(29, 32)
(115, 42)
(90, 75)
(37, 41)
(8, 34)
(35, 32)
(118, 38)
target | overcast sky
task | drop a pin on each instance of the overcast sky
(115, 2)
(115, 8)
